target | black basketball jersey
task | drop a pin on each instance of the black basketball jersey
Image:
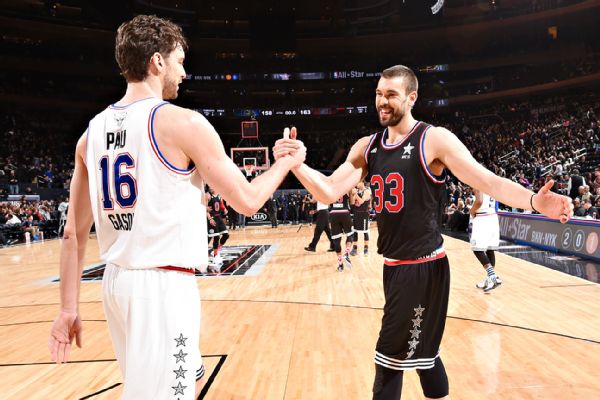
(364, 207)
(342, 205)
(407, 197)
(215, 206)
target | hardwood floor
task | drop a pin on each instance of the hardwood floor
(301, 330)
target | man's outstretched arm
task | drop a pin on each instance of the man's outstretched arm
(327, 189)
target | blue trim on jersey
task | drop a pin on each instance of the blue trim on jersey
(437, 178)
(395, 145)
(113, 106)
(162, 157)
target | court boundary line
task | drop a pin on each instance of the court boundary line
(357, 307)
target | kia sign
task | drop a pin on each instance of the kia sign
(578, 236)
(260, 218)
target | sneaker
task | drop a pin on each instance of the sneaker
(347, 262)
(218, 260)
(340, 268)
(366, 252)
(308, 248)
(484, 283)
(331, 249)
(353, 252)
(491, 284)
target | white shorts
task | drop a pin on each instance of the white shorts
(154, 320)
(485, 232)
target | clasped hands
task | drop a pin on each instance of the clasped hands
(289, 146)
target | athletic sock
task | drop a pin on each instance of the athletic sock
(490, 271)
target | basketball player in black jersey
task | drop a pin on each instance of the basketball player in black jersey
(361, 200)
(341, 223)
(405, 164)
(217, 230)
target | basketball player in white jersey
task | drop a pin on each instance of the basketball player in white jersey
(140, 169)
(485, 237)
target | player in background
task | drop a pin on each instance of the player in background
(217, 229)
(485, 237)
(361, 202)
(341, 224)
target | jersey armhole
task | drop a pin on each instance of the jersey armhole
(368, 149)
(434, 178)
(155, 148)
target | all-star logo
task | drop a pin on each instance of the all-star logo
(407, 151)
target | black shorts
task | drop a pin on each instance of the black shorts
(340, 223)
(414, 314)
(360, 221)
(218, 229)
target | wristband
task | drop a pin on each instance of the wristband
(531, 204)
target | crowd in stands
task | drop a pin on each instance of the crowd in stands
(31, 220)
(33, 155)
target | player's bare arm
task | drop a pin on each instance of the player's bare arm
(477, 203)
(67, 326)
(199, 142)
(443, 148)
(327, 189)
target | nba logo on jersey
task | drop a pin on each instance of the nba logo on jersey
(407, 151)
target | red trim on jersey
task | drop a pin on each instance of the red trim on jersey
(391, 263)
(395, 146)
(429, 174)
(178, 269)
(366, 155)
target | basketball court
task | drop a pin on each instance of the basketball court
(291, 327)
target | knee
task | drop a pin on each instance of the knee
(434, 381)
(387, 384)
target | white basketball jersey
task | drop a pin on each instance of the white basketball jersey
(147, 212)
(488, 205)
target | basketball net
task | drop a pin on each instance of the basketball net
(249, 169)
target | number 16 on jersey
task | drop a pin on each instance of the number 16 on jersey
(124, 185)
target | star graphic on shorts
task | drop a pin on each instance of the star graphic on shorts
(417, 322)
(180, 340)
(419, 311)
(408, 149)
(413, 344)
(414, 333)
(410, 354)
(180, 373)
(181, 356)
(179, 388)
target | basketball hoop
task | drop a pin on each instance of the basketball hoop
(249, 168)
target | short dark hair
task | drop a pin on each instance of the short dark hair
(137, 40)
(401, 71)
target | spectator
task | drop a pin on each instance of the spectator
(575, 182)
(578, 209)
(13, 183)
(590, 210)
(12, 219)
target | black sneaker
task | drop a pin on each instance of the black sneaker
(353, 252)
(308, 248)
(331, 249)
(340, 268)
